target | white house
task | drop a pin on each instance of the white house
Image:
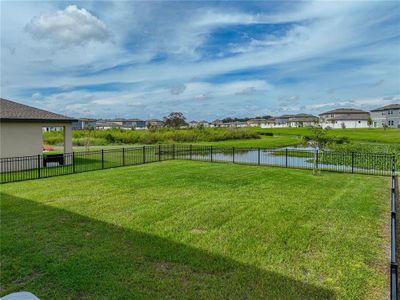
(344, 118)
(388, 115)
(84, 123)
(303, 120)
(263, 123)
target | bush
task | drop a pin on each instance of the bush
(267, 133)
(110, 138)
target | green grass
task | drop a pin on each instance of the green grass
(371, 135)
(193, 230)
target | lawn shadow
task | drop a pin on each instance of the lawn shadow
(57, 254)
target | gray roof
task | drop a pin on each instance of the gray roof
(260, 121)
(344, 111)
(387, 107)
(303, 119)
(124, 120)
(13, 111)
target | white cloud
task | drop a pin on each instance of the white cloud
(177, 89)
(312, 59)
(71, 26)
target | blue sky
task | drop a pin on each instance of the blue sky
(206, 59)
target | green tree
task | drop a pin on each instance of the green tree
(88, 136)
(319, 140)
(175, 120)
(369, 122)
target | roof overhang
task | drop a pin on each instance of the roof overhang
(37, 120)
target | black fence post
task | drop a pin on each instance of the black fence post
(123, 156)
(144, 154)
(286, 157)
(159, 152)
(73, 162)
(233, 154)
(211, 153)
(173, 151)
(259, 156)
(38, 165)
(394, 165)
(190, 151)
(352, 162)
(102, 158)
(316, 158)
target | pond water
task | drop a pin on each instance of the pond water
(292, 157)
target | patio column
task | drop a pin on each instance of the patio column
(68, 138)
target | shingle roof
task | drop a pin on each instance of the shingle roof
(13, 111)
(390, 106)
(303, 119)
(344, 111)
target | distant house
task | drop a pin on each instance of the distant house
(21, 129)
(193, 124)
(303, 120)
(216, 123)
(104, 125)
(344, 118)
(234, 124)
(84, 123)
(388, 115)
(204, 123)
(282, 121)
(268, 123)
(132, 123)
(155, 123)
(259, 122)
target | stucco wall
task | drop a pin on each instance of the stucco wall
(381, 118)
(347, 124)
(25, 138)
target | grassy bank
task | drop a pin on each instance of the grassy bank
(370, 135)
(205, 231)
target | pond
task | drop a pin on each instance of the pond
(293, 157)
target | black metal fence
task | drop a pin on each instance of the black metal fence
(393, 255)
(41, 166)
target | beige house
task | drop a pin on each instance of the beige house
(21, 129)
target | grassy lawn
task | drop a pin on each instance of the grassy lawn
(373, 135)
(193, 230)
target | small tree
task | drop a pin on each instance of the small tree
(316, 123)
(88, 135)
(200, 126)
(369, 122)
(175, 120)
(319, 140)
(343, 125)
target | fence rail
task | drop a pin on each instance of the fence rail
(41, 166)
